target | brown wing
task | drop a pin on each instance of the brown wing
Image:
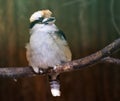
(60, 39)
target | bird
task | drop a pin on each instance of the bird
(47, 46)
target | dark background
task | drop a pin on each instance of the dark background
(89, 25)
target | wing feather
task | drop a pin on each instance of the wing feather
(60, 39)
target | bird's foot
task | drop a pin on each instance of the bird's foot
(35, 69)
(38, 70)
(54, 68)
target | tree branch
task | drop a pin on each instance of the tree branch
(100, 56)
(111, 60)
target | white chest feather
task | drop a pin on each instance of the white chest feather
(42, 49)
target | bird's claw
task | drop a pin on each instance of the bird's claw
(38, 70)
(55, 67)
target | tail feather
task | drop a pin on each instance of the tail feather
(55, 88)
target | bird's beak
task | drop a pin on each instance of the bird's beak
(49, 20)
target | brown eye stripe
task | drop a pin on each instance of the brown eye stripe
(35, 22)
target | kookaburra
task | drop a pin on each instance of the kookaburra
(47, 46)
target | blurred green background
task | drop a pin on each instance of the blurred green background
(89, 26)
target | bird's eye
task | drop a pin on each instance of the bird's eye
(41, 19)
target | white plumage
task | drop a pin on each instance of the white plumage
(47, 46)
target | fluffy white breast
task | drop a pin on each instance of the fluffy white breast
(44, 49)
(43, 28)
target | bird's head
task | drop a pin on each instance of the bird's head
(42, 17)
